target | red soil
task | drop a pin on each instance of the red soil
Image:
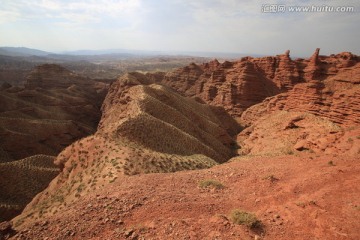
(295, 197)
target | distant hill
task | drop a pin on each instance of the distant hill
(22, 52)
(124, 52)
(115, 53)
(133, 53)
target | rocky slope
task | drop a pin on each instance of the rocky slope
(56, 108)
(144, 128)
(21, 180)
(283, 132)
(157, 118)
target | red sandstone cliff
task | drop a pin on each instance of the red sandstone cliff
(337, 98)
(248, 81)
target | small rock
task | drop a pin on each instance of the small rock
(45, 223)
(128, 232)
(134, 236)
(257, 237)
(6, 230)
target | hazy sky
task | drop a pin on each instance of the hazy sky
(179, 25)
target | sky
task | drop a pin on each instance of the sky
(233, 26)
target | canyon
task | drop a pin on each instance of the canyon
(124, 160)
(55, 108)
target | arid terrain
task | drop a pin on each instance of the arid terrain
(55, 108)
(17, 63)
(292, 200)
(257, 148)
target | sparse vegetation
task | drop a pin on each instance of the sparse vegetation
(80, 188)
(244, 218)
(307, 203)
(331, 163)
(210, 183)
(271, 178)
(27, 176)
(300, 204)
(289, 151)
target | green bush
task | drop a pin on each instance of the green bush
(244, 218)
(211, 183)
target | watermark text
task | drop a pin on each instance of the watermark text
(282, 8)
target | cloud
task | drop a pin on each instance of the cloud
(189, 25)
(67, 11)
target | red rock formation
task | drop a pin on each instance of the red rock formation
(134, 107)
(336, 98)
(312, 69)
(248, 81)
(233, 85)
(281, 70)
(241, 84)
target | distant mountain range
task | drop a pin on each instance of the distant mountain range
(27, 52)
(21, 52)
